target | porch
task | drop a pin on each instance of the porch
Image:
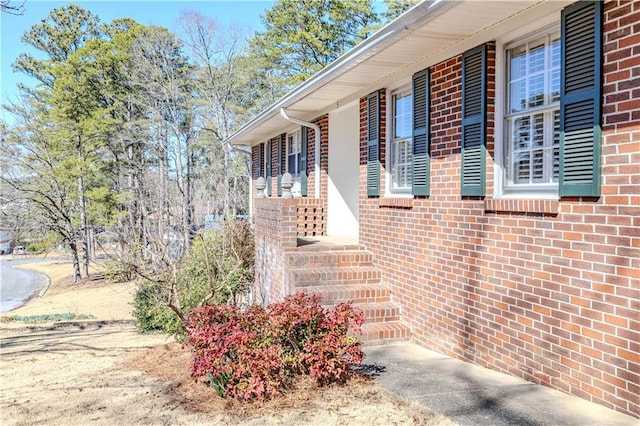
(294, 254)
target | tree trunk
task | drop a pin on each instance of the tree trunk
(75, 261)
(83, 230)
(180, 181)
(226, 181)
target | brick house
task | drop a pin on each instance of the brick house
(470, 175)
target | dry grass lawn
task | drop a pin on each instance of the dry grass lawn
(105, 372)
(95, 296)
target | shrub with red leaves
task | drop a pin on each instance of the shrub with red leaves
(255, 354)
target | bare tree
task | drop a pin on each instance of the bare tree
(221, 74)
(38, 171)
(12, 9)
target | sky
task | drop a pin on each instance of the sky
(157, 12)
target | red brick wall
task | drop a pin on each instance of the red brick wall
(275, 228)
(547, 291)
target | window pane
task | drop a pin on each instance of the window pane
(554, 95)
(401, 164)
(518, 92)
(292, 164)
(402, 116)
(554, 90)
(537, 169)
(536, 90)
(521, 167)
(555, 52)
(402, 176)
(538, 130)
(518, 63)
(536, 56)
(521, 132)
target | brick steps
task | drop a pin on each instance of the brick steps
(380, 312)
(345, 273)
(334, 294)
(384, 333)
(337, 258)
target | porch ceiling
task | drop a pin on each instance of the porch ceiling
(419, 37)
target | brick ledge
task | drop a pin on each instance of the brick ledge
(522, 206)
(396, 202)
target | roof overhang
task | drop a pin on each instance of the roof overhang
(430, 32)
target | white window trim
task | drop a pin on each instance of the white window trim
(531, 192)
(388, 190)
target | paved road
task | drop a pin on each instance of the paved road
(18, 286)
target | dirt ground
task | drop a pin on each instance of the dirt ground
(105, 372)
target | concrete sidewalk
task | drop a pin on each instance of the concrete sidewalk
(473, 395)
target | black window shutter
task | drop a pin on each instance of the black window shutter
(267, 167)
(303, 161)
(279, 167)
(421, 135)
(373, 145)
(259, 159)
(580, 97)
(474, 118)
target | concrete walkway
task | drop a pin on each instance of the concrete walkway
(473, 395)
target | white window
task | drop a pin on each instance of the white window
(294, 159)
(532, 116)
(294, 154)
(400, 150)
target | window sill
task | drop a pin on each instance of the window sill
(396, 202)
(522, 206)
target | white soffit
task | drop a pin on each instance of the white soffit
(407, 48)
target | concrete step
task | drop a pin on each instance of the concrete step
(328, 258)
(334, 276)
(326, 244)
(357, 293)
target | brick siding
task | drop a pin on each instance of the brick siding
(547, 291)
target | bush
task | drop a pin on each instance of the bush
(151, 311)
(50, 240)
(117, 272)
(217, 270)
(255, 354)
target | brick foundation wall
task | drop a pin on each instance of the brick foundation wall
(547, 291)
(277, 223)
(275, 229)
